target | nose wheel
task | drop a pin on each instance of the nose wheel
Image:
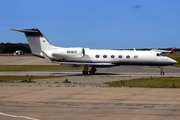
(162, 73)
(161, 70)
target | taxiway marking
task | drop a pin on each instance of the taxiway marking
(35, 103)
(17, 116)
(65, 105)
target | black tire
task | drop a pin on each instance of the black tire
(84, 72)
(91, 72)
(162, 73)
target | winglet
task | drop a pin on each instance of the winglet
(46, 57)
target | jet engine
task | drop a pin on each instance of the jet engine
(69, 52)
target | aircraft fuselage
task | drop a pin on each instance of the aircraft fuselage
(115, 57)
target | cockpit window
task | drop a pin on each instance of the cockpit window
(160, 54)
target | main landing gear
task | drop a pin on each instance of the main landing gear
(91, 72)
(161, 70)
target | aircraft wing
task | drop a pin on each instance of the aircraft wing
(78, 63)
(47, 58)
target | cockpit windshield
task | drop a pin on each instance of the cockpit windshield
(160, 54)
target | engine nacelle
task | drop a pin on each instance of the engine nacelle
(69, 52)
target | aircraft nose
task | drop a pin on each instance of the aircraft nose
(173, 61)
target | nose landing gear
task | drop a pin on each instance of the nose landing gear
(161, 70)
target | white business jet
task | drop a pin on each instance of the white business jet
(93, 58)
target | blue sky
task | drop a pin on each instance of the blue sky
(98, 24)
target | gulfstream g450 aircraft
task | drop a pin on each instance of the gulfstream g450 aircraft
(86, 57)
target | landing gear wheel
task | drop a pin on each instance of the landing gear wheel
(84, 72)
(92, 72)
(162, 73)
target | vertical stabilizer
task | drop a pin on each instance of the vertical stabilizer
(173, 50)
(37, 41)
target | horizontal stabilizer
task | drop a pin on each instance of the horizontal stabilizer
(26, 30)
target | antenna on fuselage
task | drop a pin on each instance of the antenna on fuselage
(83, 52)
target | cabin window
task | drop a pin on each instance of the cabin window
(97, 56)
(104, 56)
(127, 56)
(120, 56)
(136, 57)
(112, 56)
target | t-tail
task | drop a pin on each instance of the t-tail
(37, 41)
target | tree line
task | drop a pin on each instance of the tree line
(12, 47)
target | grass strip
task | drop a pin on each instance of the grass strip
(178, 60)
(14, 78)
(35, 67)
(159, 82)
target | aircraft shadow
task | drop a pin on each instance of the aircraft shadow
(73, 74)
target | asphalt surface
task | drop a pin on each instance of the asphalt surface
(86, 97)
